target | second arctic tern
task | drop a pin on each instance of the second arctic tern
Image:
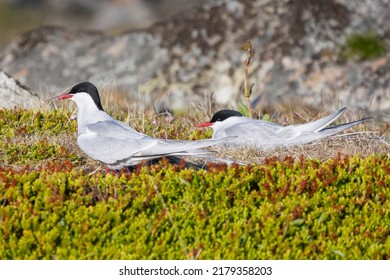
(263, 134)
(116, 144)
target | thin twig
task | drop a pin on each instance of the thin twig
(247, 46)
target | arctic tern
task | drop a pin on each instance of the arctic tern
(116, 144)
(263, 134)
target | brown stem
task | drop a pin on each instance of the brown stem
(247, 46)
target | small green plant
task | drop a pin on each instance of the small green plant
(363, 47)
(243, 109)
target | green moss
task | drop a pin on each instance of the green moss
(363, 47)
(338, 209)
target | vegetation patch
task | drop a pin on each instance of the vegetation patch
(338, 209)
(53, 207)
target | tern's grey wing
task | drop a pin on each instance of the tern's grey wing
(178, 147)
(272, 136)
(110, 150)
(321, 123)
(110, 141)
(250, 132)
(116, 129)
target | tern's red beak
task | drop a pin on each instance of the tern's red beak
(63, 96)
(205, 124)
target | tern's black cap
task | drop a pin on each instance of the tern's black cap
(224, 114)
(89, 88)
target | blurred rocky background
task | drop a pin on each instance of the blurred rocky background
(173, 53)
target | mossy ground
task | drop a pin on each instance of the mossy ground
(326, 200)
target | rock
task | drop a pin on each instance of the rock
(296, 58)
(13, 94)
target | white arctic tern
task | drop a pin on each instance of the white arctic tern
(263, 134)
(116, 144)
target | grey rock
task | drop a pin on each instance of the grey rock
(57, 57)
(177, 61)
(13, 94)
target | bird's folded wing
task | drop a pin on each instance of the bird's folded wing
(263, 134)
(110, 142)
(115, 129)
(177, 147)
(255, 129)
(109, 149)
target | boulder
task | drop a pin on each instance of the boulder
(297, 61)
(13, 94)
